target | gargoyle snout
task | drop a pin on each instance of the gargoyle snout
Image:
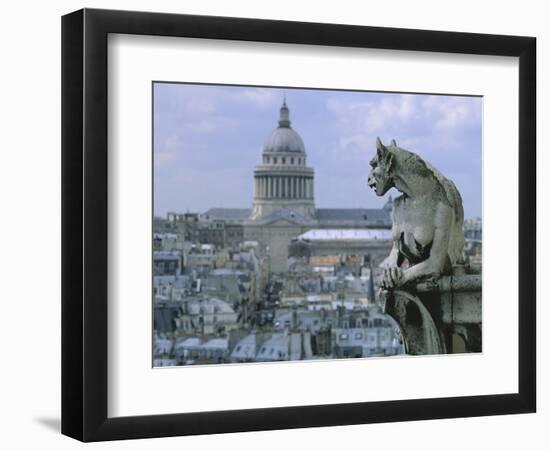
(371, 181)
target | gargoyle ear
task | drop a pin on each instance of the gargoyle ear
(380, 149)
(388, 161)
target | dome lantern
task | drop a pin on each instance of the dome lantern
(284, 118)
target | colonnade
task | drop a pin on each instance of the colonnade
(291, 187)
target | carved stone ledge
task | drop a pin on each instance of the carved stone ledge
(438, 315)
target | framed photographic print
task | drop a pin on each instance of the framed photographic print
(273, 224)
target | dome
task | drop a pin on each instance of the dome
(284, 138)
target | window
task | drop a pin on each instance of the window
(284, 160)
(344, 337)
(291, 160)
(275, 160)
(358, 335)
(238, 349)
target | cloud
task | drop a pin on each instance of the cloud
(212, 124)
(185, 98)
(394, 111)
(374, 115)
(166, 152)
(453, 112)
(260, 97)
(414, 120)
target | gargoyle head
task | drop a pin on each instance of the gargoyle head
(380, 177)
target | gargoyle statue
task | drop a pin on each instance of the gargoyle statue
(427, 218)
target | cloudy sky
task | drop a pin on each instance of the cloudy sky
(207, 140)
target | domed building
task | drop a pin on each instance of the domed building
(283, 180)
(283, 207)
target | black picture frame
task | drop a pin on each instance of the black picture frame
(84, 224)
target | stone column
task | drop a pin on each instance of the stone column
(289, 185)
